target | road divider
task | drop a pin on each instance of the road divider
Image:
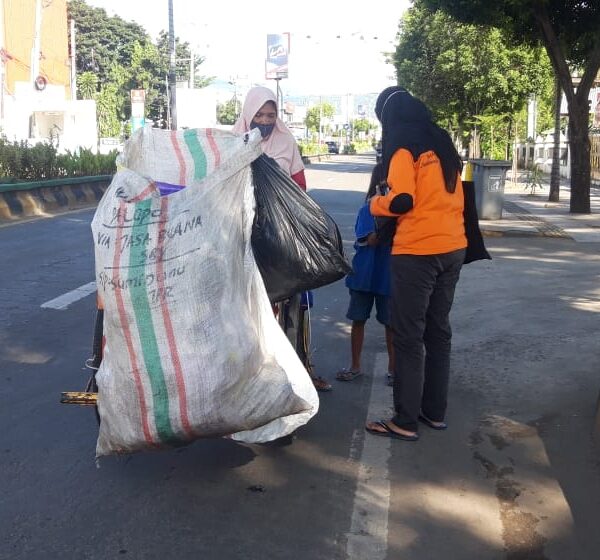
(47, 198)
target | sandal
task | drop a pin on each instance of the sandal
(432, 423)
(381, 428)
(346, 374)
(320, 384)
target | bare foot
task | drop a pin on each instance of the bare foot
(387, 427)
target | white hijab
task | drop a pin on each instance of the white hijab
(280, 145)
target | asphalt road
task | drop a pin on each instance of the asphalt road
(516, 476)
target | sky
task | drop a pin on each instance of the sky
(336, 47)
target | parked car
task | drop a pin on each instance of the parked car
(333, 147)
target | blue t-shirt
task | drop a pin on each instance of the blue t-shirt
(370, 265)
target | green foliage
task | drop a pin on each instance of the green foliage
(316, 113)
(362, 125)
(227, 113)
(122, 56)
(87, 85)
(533, 179)
(311, 148)
(495, 135)
(569, 33)
(20, 162)
(362, 146)
(462, 71)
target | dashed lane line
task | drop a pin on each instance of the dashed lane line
(62, 302)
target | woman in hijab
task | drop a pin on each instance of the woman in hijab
(260, 111)
(426, 196)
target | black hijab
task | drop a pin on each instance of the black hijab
(406, 123)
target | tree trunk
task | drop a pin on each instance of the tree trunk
(579, 144)
(475, 146)
(577, 98)
(554, 194)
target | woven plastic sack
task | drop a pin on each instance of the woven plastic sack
(192, 347)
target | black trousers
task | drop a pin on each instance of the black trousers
(422, 291)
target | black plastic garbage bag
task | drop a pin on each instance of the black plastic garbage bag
(475, 246)
(297, 245)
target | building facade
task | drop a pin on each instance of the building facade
(37, 77)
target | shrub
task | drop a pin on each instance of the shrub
(21, 162)
(311, 148)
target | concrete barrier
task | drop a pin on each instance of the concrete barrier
(46, 198)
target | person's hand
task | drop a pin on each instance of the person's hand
(372, 239)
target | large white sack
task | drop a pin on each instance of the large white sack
(192, 347)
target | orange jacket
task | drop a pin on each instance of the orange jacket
(435, 224)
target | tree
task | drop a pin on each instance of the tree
(554, 194)
(316, 114)
(103, 40)
(227, 113)
(569, 33)
(182, 55)
(114, 49)
(87, 84)
(467, 74)
(362, 125)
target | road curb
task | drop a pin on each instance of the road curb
(511, 233)
(47, 198)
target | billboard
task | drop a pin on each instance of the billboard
(138, 97)
(276, 63)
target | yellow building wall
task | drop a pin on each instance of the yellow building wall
(19, 29)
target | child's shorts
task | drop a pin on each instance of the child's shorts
(361, 304)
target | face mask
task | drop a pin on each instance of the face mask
(265, 129)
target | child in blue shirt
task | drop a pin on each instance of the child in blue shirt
(369, 282)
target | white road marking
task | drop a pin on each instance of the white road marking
(368, 536)
(62, 302)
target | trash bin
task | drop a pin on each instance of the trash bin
(489, 176)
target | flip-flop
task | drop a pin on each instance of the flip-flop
(389, 432)
(433, 425)
(347, 374)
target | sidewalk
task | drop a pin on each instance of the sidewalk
(532, 215)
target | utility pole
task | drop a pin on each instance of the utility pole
(192, 69)
(35, 49)
(172, 71)
(73, 68)
(2, 66)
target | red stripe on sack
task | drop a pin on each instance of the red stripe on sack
(125, 327)
(213, 146)
(181, 390)
(180, 159)
(144, 194)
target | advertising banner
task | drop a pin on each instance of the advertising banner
(138, 97)
(276, 63)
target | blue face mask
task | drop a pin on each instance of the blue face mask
(265, 129)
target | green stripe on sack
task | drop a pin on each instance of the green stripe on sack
(145, 326)
(198, 155)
